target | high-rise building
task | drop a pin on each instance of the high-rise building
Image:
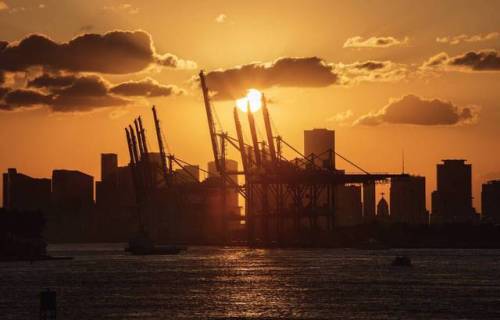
(490, 200)
(232, 194)
(408, 200)
(72, 189)
(319, 145)
(22, 192)
(348, 208)
(452, 201)
(188, 174)
(109, 166)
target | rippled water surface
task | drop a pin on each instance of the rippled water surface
(102, 282)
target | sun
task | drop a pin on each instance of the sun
(253, 98)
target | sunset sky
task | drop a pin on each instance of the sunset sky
(388, 76)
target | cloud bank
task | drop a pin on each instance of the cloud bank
(306, 72)
(115, 52)
(414, 110)
(284, 72)
(73, 92)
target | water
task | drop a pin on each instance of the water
(211, 282)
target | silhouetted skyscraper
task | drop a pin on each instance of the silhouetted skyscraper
(232, 194)
(320, 144)
(72, 189)
(452, 201)
(188, 174)
(408, 200)
(22, 192)
(109, 166)
(490, 200)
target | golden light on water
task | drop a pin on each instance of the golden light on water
(252, 99)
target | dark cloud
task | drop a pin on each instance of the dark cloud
(74, 92)
(52, 81)
(371, 65)
(3, 44)
(25, 98)
(414, 110)
(479, 61)
(2, 77)
(486, 60)
(374, 42)
(283, 72)
(116, 52)
(146, 88)
(3, 92)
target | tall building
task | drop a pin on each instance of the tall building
(72, 189)
(452, 201)
(319, 144)
(490, 200)
(408, 200)
(348, 208)
(368, 202)
(232, 194)
(109, 166)
(188, 174)
(22, 192)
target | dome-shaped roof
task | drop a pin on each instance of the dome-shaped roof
(382, 207)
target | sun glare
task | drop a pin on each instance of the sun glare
(253, 98)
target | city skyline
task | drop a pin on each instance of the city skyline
(347, 73)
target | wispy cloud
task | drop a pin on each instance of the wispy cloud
(374, 42)
(468, 38)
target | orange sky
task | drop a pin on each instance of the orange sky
(226, 34)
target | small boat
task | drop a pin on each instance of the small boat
(143, 245)
(401, 261)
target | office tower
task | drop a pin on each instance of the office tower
(319, 144)
(408, 200)
(109, 166)
(232, 194)
(22, 192)
(348, 207)
(187, 174)
(490, 200)
(452, 201)
(72, 189)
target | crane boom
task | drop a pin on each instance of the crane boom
(161, 146)
(134, 144)
(139, 138)
(129, 144)
(241, 142)
(269, 130)
(211, 123)
(143, 137)
(253, 132)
